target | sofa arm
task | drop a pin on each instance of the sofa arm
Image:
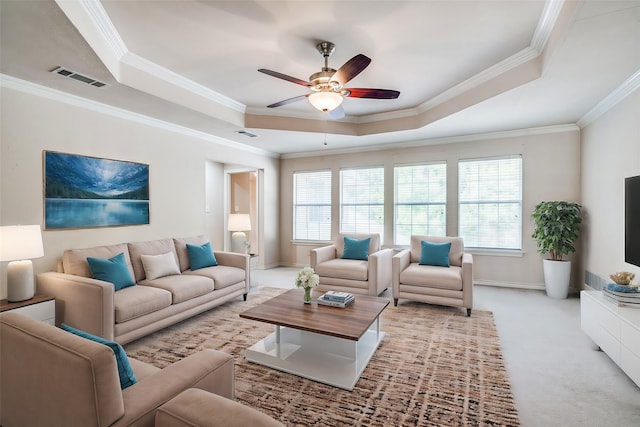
(233, 259)
(380, 271)
(209, 370)
(195, 407)
(399, 262)
(322, 254)
(467, 279)
(81, 302)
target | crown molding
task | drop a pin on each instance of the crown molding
(440, 141)
(94, 14)
(34, 89)
(101, 22)
(618, 94)
(546, 24)
(151, 68)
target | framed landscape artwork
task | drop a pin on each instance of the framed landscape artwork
(87, 192)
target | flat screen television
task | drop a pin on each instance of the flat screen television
(632, 220)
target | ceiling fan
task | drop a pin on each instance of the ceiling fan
(327, 86)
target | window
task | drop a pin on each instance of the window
(362, 200)
(420, 201)
(312, 205)
(490, 202)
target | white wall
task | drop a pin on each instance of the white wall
(181, 168)
(551, 171)
(610, 152)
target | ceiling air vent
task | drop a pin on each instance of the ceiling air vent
(247, 134)
(77, 76)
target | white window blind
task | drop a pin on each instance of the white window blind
(490, 202)
(420, 201)
(312, 205)
(362, 200)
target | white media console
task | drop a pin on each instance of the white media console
(615, 329)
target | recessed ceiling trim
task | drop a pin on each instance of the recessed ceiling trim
(34, 89)
(105, 27)
(546, 24)
(621, 92)
(94, 24)
(439, 141)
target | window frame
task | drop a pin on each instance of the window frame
(426, 227)
(322, 227)
(479, 201)
(379, 228)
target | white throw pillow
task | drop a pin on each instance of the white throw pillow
(156, 266)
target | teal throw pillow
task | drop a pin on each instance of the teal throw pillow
(127, 377)
(201, 256)
(113, 270)
(356, 249)
(435, 254)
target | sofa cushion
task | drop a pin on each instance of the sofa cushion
(137, 301)
(356, 249)
(151, 247)
(74, 261)
(432, 277)
(436, 254)
(182, 287)
(181, 249)
(127, 377)
(221, 275)
(455, 254)
(159, 265)
(343, 269)
(201, 256)
(113, 270)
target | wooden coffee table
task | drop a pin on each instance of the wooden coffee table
(326, 344)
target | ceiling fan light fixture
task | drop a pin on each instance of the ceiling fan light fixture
(325, 100)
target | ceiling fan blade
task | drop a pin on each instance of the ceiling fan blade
(350, 69)
(372, 93)
(284, 77)
(287, 101)
(337, 113)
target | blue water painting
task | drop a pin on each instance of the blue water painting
(74, 213)
(83, 191)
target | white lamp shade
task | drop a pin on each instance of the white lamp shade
(325, 100)
(20, 242)
(239, 222)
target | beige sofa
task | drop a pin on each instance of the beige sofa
(370, 277)
(452, 286)
(50, 377)
(127, 314)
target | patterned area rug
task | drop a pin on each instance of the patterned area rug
(435, 367)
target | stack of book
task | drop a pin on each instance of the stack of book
(622, 295)
(336, 299)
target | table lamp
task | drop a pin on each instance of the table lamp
(239, 223)
(19, 244)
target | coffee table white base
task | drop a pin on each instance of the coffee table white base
(330, 360)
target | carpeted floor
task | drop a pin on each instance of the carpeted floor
(434, 367)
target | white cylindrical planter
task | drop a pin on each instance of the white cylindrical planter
(557, 277)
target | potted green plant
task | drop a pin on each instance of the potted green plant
(557, 226)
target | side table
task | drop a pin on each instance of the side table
(40, 307)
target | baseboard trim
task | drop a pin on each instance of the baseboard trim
(512, 285)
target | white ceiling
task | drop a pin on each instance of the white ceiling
(462, 67)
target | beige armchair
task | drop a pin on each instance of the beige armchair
(451, 286)
(50, 377)
(364, 277)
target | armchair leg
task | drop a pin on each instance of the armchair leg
(395, 302)
(244, 296)
(468, 312)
